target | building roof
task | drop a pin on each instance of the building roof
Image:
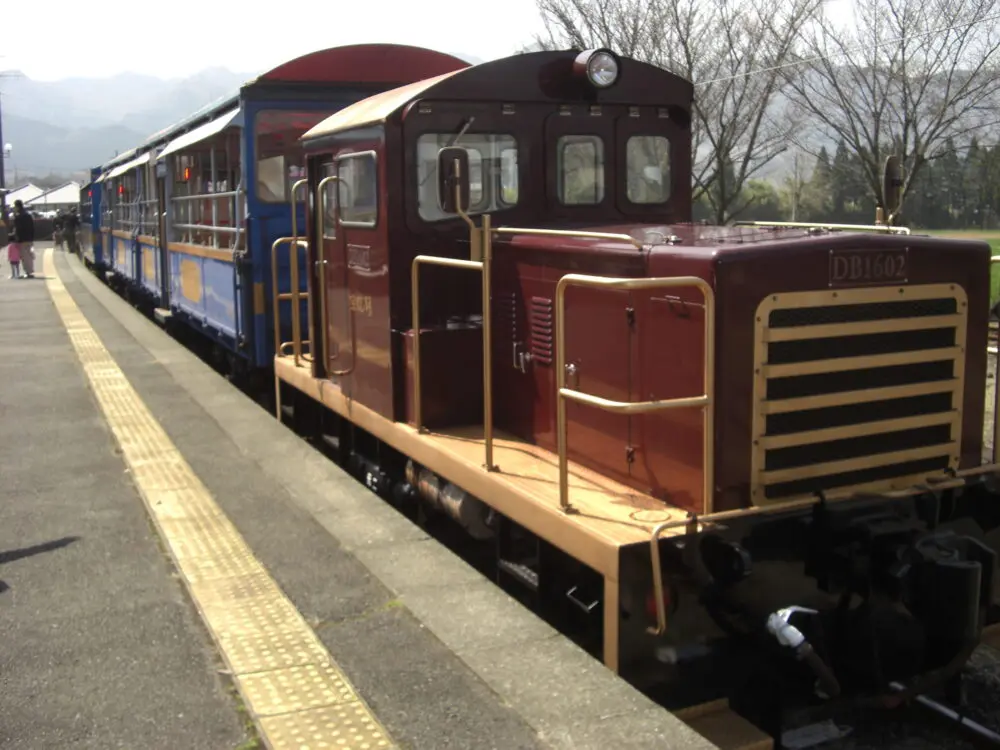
(60, 196)
(25, 193)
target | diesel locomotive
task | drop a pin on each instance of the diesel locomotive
(738, 463)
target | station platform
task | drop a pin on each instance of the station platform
(180, 570)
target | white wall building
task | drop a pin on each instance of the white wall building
(57, 199)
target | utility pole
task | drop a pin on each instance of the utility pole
(3, 168)
(3, 153)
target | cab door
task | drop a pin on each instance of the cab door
(331, 261)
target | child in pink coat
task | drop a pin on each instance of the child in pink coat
(14, 256)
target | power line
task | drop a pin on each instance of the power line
(817, 58)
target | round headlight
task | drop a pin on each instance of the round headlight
(602, 69)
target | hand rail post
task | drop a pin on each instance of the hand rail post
(486, 268)
(295, 235)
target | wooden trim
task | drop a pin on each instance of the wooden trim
(843, 398)
(201, 251)
(120, 234)
(841, 364)
(149, 241)
(869, 461)
(259, 305)
(859, 429)
(891, 325)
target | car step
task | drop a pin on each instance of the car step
(723, 727)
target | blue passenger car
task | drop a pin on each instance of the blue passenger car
(189, 217)
(90, 222)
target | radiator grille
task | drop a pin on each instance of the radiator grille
(856, 389)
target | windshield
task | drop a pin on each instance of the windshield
(647, 160)
(492, 172)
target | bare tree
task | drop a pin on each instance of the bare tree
(903, 77)
(736, 54)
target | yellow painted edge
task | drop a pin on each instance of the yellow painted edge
(300, 688)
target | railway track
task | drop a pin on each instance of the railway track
(915, 726)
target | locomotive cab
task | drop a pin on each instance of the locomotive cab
(718, 452)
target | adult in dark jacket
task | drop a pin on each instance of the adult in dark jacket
(23, 234)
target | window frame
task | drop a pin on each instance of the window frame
(667, 175)
(600, 157)
(338, 160)
(252, 190)
(497, 203)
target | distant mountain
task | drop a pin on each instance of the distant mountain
(63, 126)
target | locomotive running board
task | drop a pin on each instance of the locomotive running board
(723, 727)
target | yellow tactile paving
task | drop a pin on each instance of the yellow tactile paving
(299, 697)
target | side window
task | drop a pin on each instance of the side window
(580, 167)
(508, 177)
(271, 179)
(358, 189)
(492, 172)
(280, 160)
(647, 163)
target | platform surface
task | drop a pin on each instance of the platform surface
(325, 608)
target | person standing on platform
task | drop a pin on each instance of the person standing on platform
(58, 230)
(14, 258)
(71, 228)
(23, 236)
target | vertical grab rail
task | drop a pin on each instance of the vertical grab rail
(295, 235)
(484, 268)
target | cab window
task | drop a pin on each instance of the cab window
(492, 172)
(580, 169)
(357, 189)
(647, 164)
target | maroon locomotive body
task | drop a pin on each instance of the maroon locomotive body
(752, 435)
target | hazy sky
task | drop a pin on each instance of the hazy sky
(103, 37)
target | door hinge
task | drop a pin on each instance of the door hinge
(630, 316)
(629, 454)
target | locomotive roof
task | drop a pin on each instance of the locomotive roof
(530, 77)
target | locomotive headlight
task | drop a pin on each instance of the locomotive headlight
(602, 69)
(600, 66)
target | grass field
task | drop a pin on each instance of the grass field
(991, 236)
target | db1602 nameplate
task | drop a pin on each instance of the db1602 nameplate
(869, 267)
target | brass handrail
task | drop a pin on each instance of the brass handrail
(820, 225)
(321, 264)
(295, 296)
(705, 401)
(484, 268)
(296, 235)
(567, 233)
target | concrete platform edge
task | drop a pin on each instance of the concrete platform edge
(588, 701)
